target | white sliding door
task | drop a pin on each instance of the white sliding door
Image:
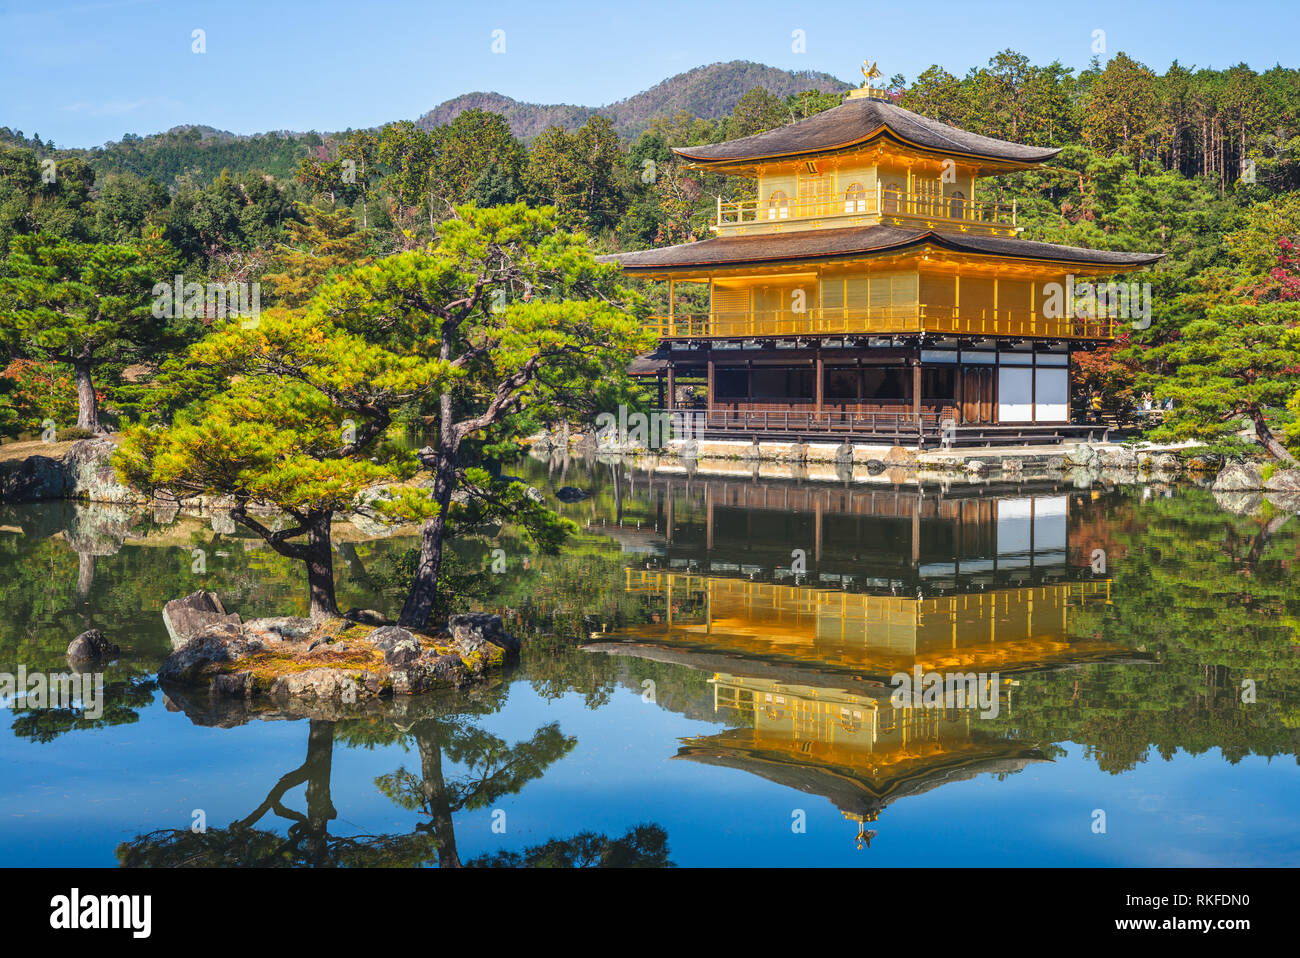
(1015, 394)
(1052, 395)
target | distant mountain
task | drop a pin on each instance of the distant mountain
(526, 119)
(203, 151)
(709, 91)
(204, 132)
(212, 133)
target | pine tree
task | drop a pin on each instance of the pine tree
(325, 241)
(86, 305)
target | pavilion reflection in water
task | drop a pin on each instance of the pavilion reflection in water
(801, 663)
(855, 748)
(870, 635)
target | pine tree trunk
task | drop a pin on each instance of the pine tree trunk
(424, 588)
(87, 404)
(1269, 441)
(320, 568)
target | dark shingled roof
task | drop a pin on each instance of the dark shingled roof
(821, 244)
(858, 120)
(647, 364)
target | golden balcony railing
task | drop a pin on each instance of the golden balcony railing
(884, 201)
(881, 320)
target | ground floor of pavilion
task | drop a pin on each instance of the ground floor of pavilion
(913, 392)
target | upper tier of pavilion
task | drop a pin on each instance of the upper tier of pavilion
(866, 162)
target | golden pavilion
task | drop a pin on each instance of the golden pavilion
(871, 291)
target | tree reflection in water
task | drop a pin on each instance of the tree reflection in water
(492, 769)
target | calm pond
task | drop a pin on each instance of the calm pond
(707, 680)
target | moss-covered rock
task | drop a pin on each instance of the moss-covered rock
(337, 658)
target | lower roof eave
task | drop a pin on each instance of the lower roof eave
(705, 258)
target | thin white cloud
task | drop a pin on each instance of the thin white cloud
(117, 107)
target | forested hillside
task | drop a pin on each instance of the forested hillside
(202, 153)
(1202, 165)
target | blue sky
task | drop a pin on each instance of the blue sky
(82, 72)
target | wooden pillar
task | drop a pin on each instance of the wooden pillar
(821, 379)
(1033, 389)
(659, 382)
(994, 417)
(1069, 385)
(916, 399)
(672, 386)
(960, 376)
(711, 404)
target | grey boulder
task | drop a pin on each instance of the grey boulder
(472, 630)
(1239, 477)
(195, 613)
(90, 646)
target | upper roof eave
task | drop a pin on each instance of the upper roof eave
(857, 121)
(1002, 163)
(733, 252)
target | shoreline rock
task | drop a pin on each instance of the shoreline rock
(335, 659)
(1239, 477)
(91, 646)
(84, 471)
(1284, 480)
(194, 614)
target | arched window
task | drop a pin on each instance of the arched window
(855, 199)
(778, 206)
(957, 205)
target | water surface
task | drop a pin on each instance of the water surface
(708, 679)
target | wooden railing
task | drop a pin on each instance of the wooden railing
(835, 422)
(880, 320)
(883, 201)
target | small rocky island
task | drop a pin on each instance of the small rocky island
(348, 658)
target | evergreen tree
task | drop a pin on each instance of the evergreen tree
(86, 305)
(1239, 362)
(323, 242)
